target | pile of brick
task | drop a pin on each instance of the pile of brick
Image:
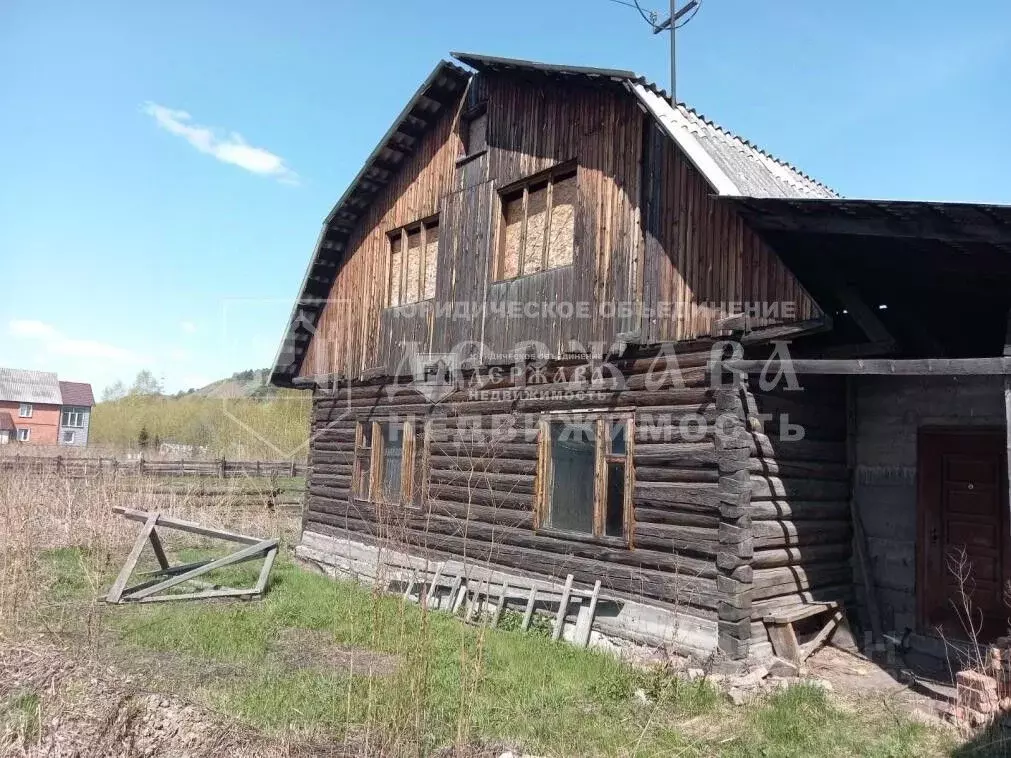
(984, 696)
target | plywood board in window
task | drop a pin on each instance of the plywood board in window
(431, 261)
(512, 236)
(537, 218)
(563, 203)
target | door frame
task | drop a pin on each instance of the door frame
(928, 484)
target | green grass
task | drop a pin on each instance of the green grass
(457, 683)
(20, 717)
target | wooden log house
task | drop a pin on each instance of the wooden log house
(513, 326)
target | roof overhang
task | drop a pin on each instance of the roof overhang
(937, 272)
(443, 89)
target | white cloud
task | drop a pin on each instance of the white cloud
(230, 148)
(188, 326)
(53, 341)
(30, 329)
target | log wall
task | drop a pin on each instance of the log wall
(787, 531)
(479, 488)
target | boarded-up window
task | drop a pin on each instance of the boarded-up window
(538, 225)
(414, 263)
(585, 469)
(475, 134)
(386, 462)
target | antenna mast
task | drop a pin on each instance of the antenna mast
(672, 24)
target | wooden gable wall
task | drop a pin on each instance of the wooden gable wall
(646, 230)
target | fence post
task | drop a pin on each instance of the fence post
(221, 469)
(292, 468)
(140, 465)
(59, 463)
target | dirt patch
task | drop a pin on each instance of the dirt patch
(56, 706)
(307, 649)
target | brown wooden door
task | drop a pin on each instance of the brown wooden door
(963, 530)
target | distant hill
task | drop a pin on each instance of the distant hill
(251, 383)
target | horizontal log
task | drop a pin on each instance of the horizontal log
(763, 487)
(799, 510)
(797, 555)
(653, 473)
(835, 471)
(500, 483)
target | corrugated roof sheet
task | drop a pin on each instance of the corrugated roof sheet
(21, 386)
(77, 393)
(731, 164)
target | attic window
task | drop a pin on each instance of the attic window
(474, 133)
(538, 224)
(414, 262)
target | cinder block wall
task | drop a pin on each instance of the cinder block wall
(890, 411)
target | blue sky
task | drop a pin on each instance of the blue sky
(166, 165)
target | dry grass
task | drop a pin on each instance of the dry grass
(327, 668)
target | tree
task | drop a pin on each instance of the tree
(115, 391)
(145, 384)
(143, 438)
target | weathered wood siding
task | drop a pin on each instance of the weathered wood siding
(699, 253)
(479, 489)
(647, 232)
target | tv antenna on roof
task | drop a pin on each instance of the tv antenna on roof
(674, 22)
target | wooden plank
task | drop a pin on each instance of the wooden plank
(799, 613)
(584, 622)
(432, 587)
(268, 564)
(528, 613)
(880, 366)
(815, 642)
(784, 643)
(563, 607)
(187, 526)
(501, 605)
(159, 550)
(260, 547)
(116, 593)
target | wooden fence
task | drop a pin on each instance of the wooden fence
(81, 467)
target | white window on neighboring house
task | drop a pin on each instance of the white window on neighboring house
(24, 434)
(25, 411)
(68, 437)
(73, 417)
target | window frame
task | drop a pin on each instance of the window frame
(26, 410)
(551, 176)
(424, 226)
(364, 487)
(73, 436)
(27, 432)
(467, 121)
(603, 455)
(71, 412)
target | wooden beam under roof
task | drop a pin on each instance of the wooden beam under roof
(879, 366)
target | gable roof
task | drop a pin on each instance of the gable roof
(6, 422)
(21, 386)
(77, 393)
(731, 165)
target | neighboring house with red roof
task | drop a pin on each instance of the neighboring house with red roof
(38, 409)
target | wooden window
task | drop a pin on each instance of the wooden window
(585, 475)
(414, 263)
(25, 410)
(68, 438)
(538, 224)
(24, 434)
(385, 470)
(474, 132)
